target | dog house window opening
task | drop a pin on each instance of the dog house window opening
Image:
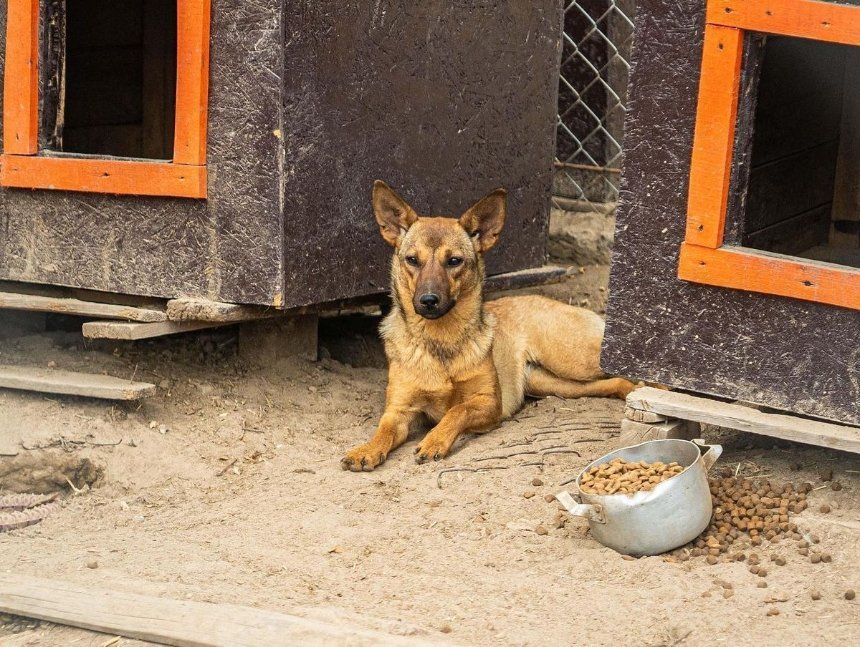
(114, 69)
(803, 187)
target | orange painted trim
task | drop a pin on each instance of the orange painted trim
(827, 21)
(192, 81)
(714, 138)
(757, 271)
(184, 177)
(21, 81)
(103, 176)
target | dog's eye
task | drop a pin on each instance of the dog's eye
(454, 261)
(412, 260)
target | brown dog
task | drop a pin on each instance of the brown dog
(456, 361)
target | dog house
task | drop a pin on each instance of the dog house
(737, 261)
(182, 148)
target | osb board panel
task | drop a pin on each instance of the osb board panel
(443, 100)
(783, 353)
(226, 249)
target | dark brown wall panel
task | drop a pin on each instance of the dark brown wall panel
(788, 354)
(444, 100)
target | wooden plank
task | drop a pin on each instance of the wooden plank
(525, 278)
(28, 378)
(15, 301)
(132, 331)
(21, 80)
(63, 292)
(637, 415)
(759, 271)
(182, 623)
(193, 309)
(714, 137)
(831, 22)
(735, 416)
(130, 177)
(790, 186)
(792, 235)
(633, 433)
(192, 81)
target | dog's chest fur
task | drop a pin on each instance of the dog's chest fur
(435, 358)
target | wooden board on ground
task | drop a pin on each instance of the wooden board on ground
(188, 309)
(182, 623)
(736, 416)
(131, 331)
(46, 380)
(16, 301)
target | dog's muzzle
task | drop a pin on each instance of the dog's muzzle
(430, 306)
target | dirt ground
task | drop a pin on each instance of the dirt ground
(226, 487)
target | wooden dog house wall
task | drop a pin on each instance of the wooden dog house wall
(226, 150)
(736, 268)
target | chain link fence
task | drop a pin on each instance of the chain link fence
(592, 96)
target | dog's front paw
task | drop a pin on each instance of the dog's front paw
(433, 447)
(363, 458)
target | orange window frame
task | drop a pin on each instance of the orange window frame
(703, 257)
(21, 164)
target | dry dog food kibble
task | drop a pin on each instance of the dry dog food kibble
(747, 513)
(620, 477)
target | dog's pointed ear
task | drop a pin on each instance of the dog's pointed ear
(485, 219)
(392, 213)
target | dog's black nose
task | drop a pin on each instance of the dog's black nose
(429, 300)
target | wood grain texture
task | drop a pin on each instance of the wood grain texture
(14, 301)
(714, 140)
(103, 176)
(21, 78)
(132, 331)
(188, 309)
(828, 21)
(181, 623)
(736, 416)
(633, 432)
(757, 271)
(192, 81)
(28, 378)
(786, 354)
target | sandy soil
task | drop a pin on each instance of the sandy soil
(226, 487)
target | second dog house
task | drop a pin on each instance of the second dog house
(737, 263)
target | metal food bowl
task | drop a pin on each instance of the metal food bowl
(671, 514)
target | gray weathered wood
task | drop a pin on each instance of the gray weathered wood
(14, 301)
(192, 309)
(181, 623)
(736, 416)
(525, 278)
(131, 331)
(643, 416)
(633, 433)
(45, 380)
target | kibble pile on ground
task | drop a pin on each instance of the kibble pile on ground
(746, 514)
(622, 477)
